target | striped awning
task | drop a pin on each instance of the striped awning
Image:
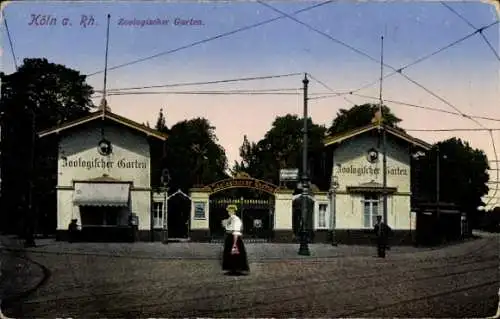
(101, 194)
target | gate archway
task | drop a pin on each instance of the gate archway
(255, 200)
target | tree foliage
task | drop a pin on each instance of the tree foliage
(361, 115)
(280, 148)
(39, 95)
(462, 172)
(161, 123)
(193, 155)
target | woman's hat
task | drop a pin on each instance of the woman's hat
(232, 208)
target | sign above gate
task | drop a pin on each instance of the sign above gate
(289, 174)
(242, 180)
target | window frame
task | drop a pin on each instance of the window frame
(196, 205)
(158, 215)
(326, 215)
(373, 201)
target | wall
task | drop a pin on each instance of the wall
(352, 154)
(78, 152)
(199, 227)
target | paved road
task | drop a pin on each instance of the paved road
(457, 281)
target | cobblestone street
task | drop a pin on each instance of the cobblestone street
(456, 281)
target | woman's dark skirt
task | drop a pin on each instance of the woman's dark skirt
(234, 262)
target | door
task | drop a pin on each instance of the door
(179, 210)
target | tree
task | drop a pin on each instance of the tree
(161, 124)
(280, 148)
(463, 175)
(37, 96)
(361, 115)
(193, 155)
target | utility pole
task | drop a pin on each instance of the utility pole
(304, 247)
(104, 103)
(384, 135)
(438, 188)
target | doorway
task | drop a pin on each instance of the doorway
(178, 216)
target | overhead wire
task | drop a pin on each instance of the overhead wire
(367, 56)
(254, 78)
(219, 36)
(473, 27)
(428, 108)
(480, 31)
(399, 71)
(203, 93)
(454, 130)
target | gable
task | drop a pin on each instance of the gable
(393, 132)
(105, 116)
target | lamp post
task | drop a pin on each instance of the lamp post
(304, 247)
(333, 207)
(165, 180)
(200, 157)
(29, 240)
(438, 187)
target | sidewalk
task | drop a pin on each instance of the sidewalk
(190, 250)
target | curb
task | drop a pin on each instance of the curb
(11, 300)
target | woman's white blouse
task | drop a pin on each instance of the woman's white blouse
(233, 225)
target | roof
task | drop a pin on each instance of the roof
(334, 139)
(109, 116)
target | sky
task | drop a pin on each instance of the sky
(464, 76)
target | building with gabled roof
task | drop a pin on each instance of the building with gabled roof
(106, 175)
(357, 182)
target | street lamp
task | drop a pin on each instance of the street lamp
(333, 207)
(29, 240)
(304, 247)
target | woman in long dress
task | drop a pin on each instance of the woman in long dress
(234, 258)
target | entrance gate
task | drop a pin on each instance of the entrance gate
(257, 216)
(255, 202)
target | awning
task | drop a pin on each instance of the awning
(101, 194)
(371, 187)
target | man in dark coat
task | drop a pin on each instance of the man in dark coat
(382, 231)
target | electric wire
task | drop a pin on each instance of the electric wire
(219, 36)
(368, 56)
(254, 78)
(320, 82)
(473, 27)
(201, 93)
(425, 57)
(490, 131)
(454, 130)
(427, 108)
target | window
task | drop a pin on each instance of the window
(370, 210)
(199, 210)
(322, 215)
(158, 215)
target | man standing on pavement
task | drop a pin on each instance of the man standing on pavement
(382, 231)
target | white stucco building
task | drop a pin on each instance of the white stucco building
(105, 177)
(357, 182)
